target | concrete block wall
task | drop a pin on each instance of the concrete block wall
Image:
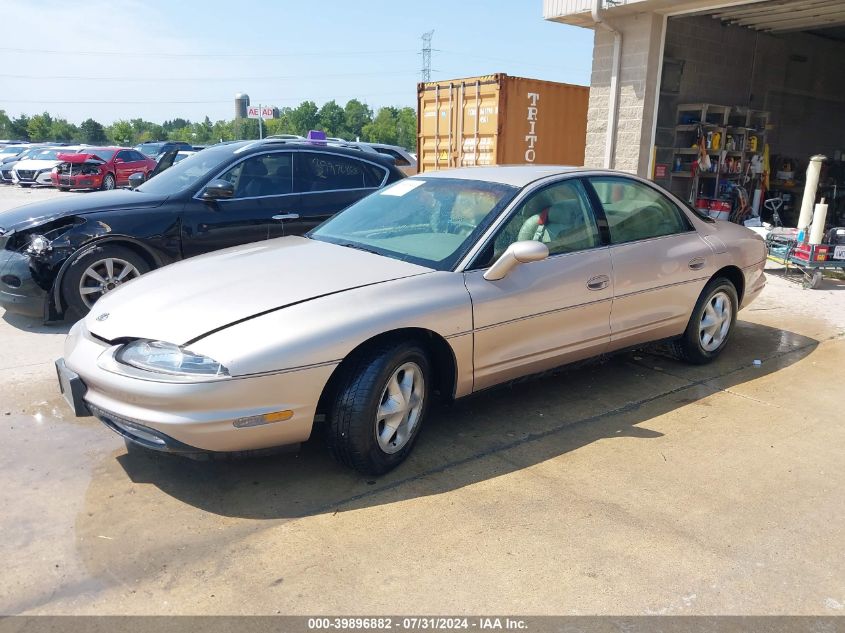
(799, 78)
(637, 89)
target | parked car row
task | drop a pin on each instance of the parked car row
(84, 166)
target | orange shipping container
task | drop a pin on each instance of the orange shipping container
(500, 120)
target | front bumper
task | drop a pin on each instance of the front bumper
(42, 178)
(19, 292)
(195, 416)
(77, 181)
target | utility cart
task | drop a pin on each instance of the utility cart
(811, 259)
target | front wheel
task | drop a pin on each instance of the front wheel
(97, 272)
(108, 182)
(711, 323)
(378, 407)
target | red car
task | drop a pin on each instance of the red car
(99, 168)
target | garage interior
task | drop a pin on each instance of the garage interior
(743, 79)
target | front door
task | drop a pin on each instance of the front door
(263, 189)
(660, 263)
(547, 313)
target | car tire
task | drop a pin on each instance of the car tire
(392, 377)
(83, 271)
(108, 183)
(25, 185)
(64, 188)
(711, 323)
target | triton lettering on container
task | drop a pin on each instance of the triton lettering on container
(500, 120)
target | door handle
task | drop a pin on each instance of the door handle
(600, 282)
(286, 216)
(697, 263)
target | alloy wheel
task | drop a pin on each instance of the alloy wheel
(104, 276)
(715, 321)
(399, 408)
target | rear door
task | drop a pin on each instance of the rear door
(547, 313)
(328, 183)
(660, 263)
(263, 190)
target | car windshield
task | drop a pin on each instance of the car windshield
(150, 149)
(100, 152)
(49, 154)
(432, 222)
(187, 172)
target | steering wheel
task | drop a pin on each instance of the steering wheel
(460, 227)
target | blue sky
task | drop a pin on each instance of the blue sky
(159, 59)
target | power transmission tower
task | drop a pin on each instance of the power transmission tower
(426, 56)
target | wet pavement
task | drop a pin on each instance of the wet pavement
(636, 485)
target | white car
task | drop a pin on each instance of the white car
(36, 168)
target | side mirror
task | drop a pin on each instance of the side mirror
(218, 190)
(118, 161)
(136, 180)
(516, 254)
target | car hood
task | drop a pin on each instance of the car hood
(39, 212)
(79, 158)
(28, 163)
(187, 300)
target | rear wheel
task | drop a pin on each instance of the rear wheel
(711, 323)
(378, 407)
(64, 188)
(99, 271)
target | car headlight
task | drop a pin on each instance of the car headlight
(167, 358)
(38, 245)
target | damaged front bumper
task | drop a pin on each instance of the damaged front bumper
(19, 292)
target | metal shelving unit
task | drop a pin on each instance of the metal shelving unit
(736, 135)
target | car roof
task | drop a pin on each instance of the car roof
(242, 147)
(515, 175)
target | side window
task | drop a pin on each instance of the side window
(636, 211)
(400, 160)
(125, 156)
(558, 215)
(262, 175)
(315, 171)
(136, 156)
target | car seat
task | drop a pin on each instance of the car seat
(561, 225)
(252, 181)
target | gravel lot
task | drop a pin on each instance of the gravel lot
(638, 485)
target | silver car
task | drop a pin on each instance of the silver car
(440, 285)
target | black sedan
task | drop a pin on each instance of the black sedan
(64, 254)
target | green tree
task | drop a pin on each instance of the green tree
(92, 132)
(121, 132)
(39, 127)
(5, 125)
(20, 128)
(61, 130)
(383, 128)
(406, 128)
(223, 131)
(304, 117)
(333, 120)
(356, 115)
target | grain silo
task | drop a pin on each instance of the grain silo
(241, 104)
